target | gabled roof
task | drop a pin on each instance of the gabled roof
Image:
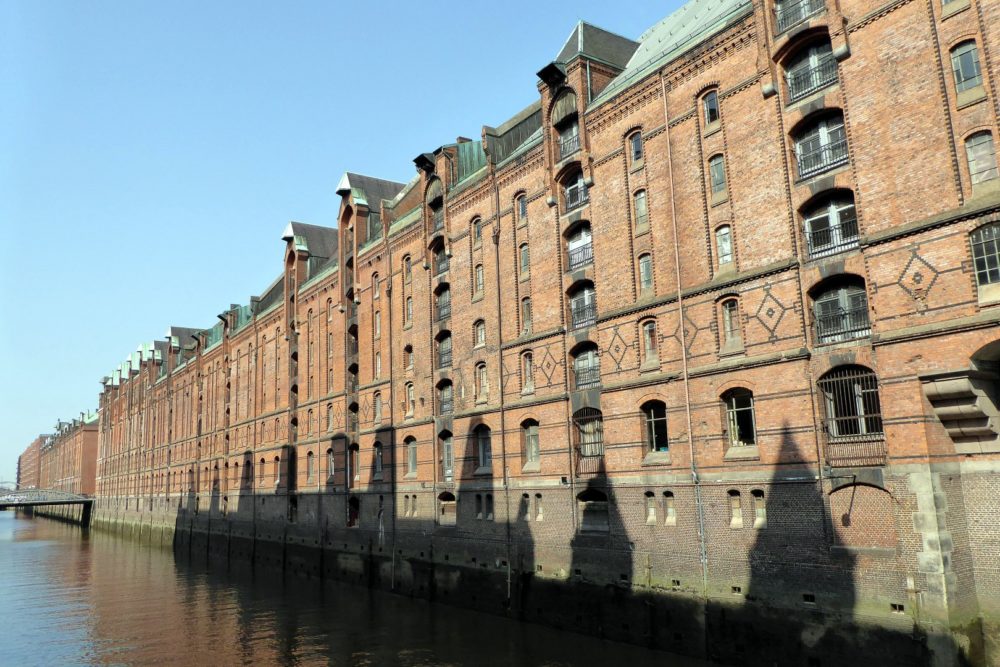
(317, 241)
(690, 25)
(597, 44)
(371, 191)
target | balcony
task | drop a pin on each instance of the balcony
(581, 255)
(823, 158)
(440, 264)
(583, 314)
(809, 79)
(844, 324)
(587, 376)
(833, 239)
(443, 310)
(793, 12)
(576, 196)
(568, 145)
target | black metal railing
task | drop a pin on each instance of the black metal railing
(444, 359)
(791, 12)
(581, 255)
(584, 314)
(587, 376)
(569, 145)
(440, 264)
(825, 157)
(834, 238)
(803, 81)
(444, 310)
(857, 451)
(576, 196)
(843, 324)
(438, 220)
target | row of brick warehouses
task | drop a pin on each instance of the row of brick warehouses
(715, 316)
(63, 461)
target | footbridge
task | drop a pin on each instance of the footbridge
(25, 498)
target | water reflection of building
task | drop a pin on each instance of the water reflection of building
(715, 287)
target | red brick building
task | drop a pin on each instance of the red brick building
(28, 470)
(68, 458)
(702, 343)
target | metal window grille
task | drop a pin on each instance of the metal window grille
(986, 254)
(792, 12)
(817, 70)
(444, 305)
(440, 262)
(569, 140)
(842, 314)
(581, 255)
(583, 309)
(821, 148)
(587, 369)
(576, 194)
(589, 425)
(832, 228)
(851, 402)
(444, 352)
(447, 405)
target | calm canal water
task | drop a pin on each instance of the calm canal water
(68, 597)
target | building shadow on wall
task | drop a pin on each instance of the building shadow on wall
(824, 587)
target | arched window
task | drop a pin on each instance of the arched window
(589, 427)
(593, 510)
(277, 470)
(529, 433)
(378, 365)
(635, 150)
(986, 254)
(821, 145)
(353, 464)
(710, 106)
(740, 420)
(447, 509)
(377, 406)
(526, 315)
(965, 65)
(831, 224)
(445, 399)
(574, 191)
(310, 466)
(811, 69)
(732, 337)
(261, 472)
(480, 279)
(440, 261)
(759, 509)
(443, 299)
(410, 399)
(521, 208)
(583, 305)
(377, 461)
(331, 468)
(851, 403)
(411, 455)
(566, 124)
(717, 177)
(841, 310)
(482, 382)
(407, 269)
(484, 449)
(735, 509)
(477, 231)
(579, 246)
(444, 349)
(650, 354)
(527, 372)
(724, 245)
(479, 333)
(654, 417)
(524, 263)
(650, 502)
(645, 273)
(641, 210)
(447, 455)
(408, 356)
(377, 324)
(376, 286)
(982, 157)
(669, 509)
(586, 366)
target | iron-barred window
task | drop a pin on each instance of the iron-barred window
(589, 424)
(842, 313)
(851, 403)
(810, 70)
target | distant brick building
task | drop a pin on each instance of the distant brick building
(712, 324)
(68, 458)
(28, 471)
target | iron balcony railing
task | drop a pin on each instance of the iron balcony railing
(569, 145)
(441, 265)
(444, 359)
(576, 196)
(844, 324)
(825, 157)
(791, 12)
(438, 220)
(833, 239)
(588, 376)
(581, 255)
(584, 314)
(803, 81)
(857, 451)
(444, 310)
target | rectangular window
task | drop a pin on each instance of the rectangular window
(980, 151)
(635, 143)
(480, 278)
(531, 451)
(525, 261)
(411, 457)
(965, 64)
(730, 321)
(641, 212)
(717, 173)
(711, 104)
(645, 273)
(724, 244)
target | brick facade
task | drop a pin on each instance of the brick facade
(828, 382)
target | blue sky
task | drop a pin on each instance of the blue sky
(152, 152)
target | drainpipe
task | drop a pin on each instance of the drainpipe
(684, 358)
(392, 403)
(503, 419)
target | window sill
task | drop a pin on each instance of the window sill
(483, 471)
(377, 477)
(642, 230)
(967, 98)
(476, 245)
(524, 277)
(522, 223)
(731, 348)
(720, 197)
(532, 466)
(989, 294)
(953, 8)
(527, 391)
(481, 401)
(742, 453)
(407, 325)
(657, 459)
(410, 475)
(637, 166)
(712, 128)
(984, 188)
(650, 365)
(478, 296)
